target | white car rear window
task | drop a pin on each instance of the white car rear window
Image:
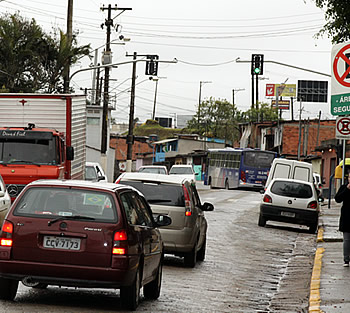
(291, 189)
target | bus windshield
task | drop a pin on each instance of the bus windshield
(258, 159)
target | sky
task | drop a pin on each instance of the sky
(206, 38)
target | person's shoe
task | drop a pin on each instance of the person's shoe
(346, 264)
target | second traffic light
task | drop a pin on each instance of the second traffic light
(257, 64)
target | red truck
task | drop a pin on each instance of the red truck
(42, 136)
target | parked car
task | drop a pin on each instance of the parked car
(155, 169)
(94, 171)
(177, 197)
(5, 200)
(82, 234)
(318, 186)
(183, 170)
(290, 201)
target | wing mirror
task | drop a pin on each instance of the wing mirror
(206, 206)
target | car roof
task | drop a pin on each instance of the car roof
(172, 179)
(92, 163)
(153, 166)
(292, 180)
(182, 165)
(77, 183)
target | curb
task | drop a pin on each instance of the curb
(315, 299)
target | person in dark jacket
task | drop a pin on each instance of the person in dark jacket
(343, 195)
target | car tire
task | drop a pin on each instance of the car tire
(130, 295)
(8, 289)
(227, 187)
(152, 289)
(201, 252)
(313, 228)
(190, 258)
(262, 221)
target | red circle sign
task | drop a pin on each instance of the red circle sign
(341, 55)
(343, 126)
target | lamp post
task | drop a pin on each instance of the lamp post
(200, 95)
(156, 79)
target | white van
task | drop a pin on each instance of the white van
(284, 168)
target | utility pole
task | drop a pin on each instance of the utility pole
(108, 59)
(200, 98)
(69, 40)
(130, 138)
(155, 99)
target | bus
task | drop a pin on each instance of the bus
(238, 167)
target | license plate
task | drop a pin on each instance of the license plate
(53, 242)
(288, 214)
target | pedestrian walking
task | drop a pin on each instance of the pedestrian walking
(343, 195)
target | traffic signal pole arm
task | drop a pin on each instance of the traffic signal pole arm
(288, 65)
(116, 64)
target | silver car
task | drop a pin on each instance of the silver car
(177, 197)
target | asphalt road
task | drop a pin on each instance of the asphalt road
(247, 269)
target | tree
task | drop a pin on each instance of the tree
(32, 60)
(337, 14)
(264, 113)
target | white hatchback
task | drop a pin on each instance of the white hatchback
(5, 200)
(290, 201)
(183, 170)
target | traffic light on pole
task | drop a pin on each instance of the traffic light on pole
(257, 64)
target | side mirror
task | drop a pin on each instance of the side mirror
(69, 153)
(163, 220)
(206, 206)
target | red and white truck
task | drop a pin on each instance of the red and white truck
(42, 136)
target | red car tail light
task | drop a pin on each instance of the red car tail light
(120, 242)
(312, 205)
(6, 234)
(267, 199)
(187, 201)
(243, 177)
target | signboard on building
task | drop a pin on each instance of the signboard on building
(285, 90)
(282, 104)
(340, 88)
(312, 90)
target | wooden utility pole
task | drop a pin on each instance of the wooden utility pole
(69, 40)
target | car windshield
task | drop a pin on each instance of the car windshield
(181, 170)
(159, 193)
(291, 189)
(15, 150)
(154, 170)
(71, 202)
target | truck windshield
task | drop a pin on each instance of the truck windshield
(24, 151)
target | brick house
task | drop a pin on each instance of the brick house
(303, 140)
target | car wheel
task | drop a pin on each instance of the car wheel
(201, 252)
(262, 221)
(227, 185)
(130, 295)
(152, 289)
(313, 228)
(191, 257)
(8, 288)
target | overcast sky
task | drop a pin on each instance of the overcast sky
(206, 37)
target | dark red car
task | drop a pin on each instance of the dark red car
(82, 234)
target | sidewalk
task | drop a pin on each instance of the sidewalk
(330, 282)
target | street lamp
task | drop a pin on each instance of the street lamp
(156, 79)
(235, 91)
(200, 95)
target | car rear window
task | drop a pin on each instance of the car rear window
(153, 170)
(181, 170)
(55, 202)
(291, 189)
(159, 193)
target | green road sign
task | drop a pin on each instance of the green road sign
(340, 104)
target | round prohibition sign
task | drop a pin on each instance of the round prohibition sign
(343, 126)
(341, 55)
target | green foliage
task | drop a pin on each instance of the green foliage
(220, 119)
(32, 60)
(152, 127)
(337, 14)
